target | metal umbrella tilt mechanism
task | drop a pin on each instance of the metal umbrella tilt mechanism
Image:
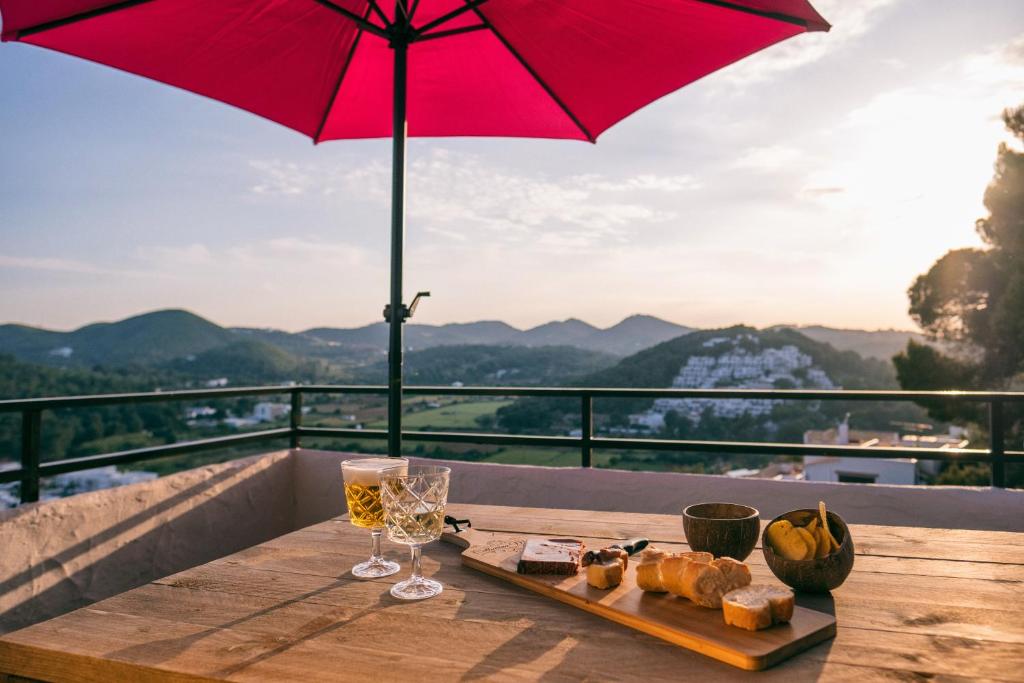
(343, 69)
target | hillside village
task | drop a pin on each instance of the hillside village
(741, 363)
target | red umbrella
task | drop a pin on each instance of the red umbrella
(336, 69)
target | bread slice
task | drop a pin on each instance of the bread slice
(648, 570)
(737, 574)
(701, 578)
(694, 578)
(757, 607)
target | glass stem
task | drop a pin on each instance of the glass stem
(375, 547)
(416, 576)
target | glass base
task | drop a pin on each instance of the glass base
(416, 589)
(374, 569)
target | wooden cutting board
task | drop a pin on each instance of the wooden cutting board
(661, 615)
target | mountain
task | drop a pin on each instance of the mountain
(143, 339)
(571, 332)
(492, 365)
(375, 335)
(632, 334)
(635, 333)
(883, 344)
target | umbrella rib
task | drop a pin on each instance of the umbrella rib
(81, 16)
(337, 87)
(450, 32)
(362, 23)
(379, 12)
(471, 5)
(530, 70)
(777, 16)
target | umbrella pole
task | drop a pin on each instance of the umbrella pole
(397, 310)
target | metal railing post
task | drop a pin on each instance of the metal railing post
(586, 429)
(31, 427)
(295, 419)
(997, 443)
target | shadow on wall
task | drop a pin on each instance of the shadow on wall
(61, 555)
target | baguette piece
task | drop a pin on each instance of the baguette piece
(701, 578)
(757, 607)
(648, 570)
(737, 574)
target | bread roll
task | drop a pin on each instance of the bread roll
(757, 607)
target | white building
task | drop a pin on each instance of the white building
(737, 367)
(266, 411)
(873, 470)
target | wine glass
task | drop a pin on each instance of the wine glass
(414, 503)
(362, 493)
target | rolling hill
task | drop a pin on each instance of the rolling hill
(143, 339)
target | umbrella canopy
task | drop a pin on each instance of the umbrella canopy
(334, 69)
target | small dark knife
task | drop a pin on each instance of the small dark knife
(632, 546)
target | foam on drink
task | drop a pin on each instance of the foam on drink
(367, 471)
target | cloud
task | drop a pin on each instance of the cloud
(850, 20)
(59, 265)
(773, 158)
(454, 195)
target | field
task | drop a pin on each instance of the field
(461, 415)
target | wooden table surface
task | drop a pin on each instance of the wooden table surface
(920, 603)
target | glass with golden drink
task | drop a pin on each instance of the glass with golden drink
(365, 508)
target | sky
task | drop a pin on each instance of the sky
(807, 184)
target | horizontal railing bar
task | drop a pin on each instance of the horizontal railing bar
(780, 394)
(765, 448)
(49, 469)
(956, 454)
(449, 437)
(14, 405)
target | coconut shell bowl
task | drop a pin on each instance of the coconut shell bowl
(819, 575)
(722, 529)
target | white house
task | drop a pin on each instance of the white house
(873, 470)
(265, 411)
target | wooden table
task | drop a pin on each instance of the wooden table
(920, 603)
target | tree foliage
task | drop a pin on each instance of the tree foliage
(971, 301)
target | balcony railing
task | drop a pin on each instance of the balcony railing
(31, 469)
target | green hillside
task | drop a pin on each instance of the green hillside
(249, 362)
